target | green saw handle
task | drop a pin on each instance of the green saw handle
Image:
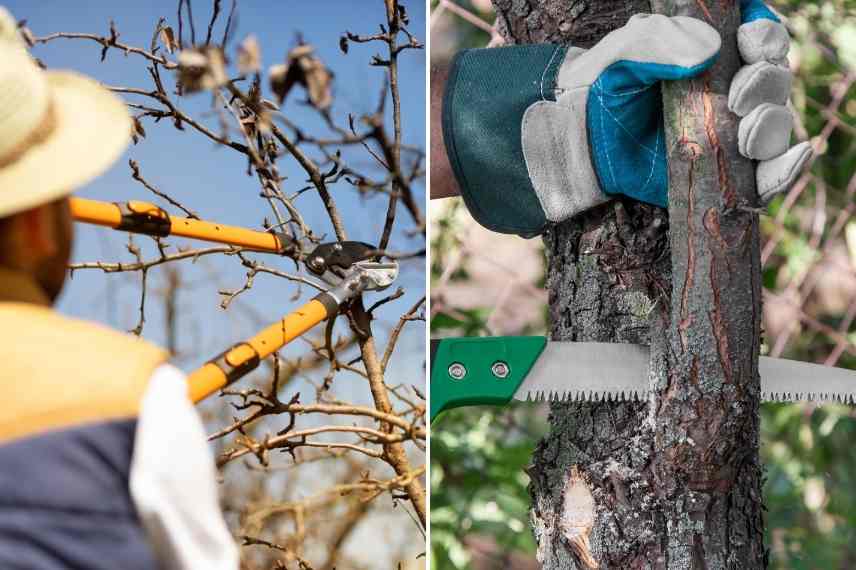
(480, 370)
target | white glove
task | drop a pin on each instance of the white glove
(759, 94)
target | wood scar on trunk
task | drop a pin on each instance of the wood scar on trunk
(577, 518)
(725, 186)
(686, 317)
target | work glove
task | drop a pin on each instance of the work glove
(538, 133)
(759, 94)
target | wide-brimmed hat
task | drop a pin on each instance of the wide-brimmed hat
(58, 129)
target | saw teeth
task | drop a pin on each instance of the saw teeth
(585, 396)
(809, 397)
(540, 396)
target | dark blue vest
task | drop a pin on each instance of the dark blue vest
(65, 502)
(71, 396)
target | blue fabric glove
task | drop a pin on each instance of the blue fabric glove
(758, 93)
(624, 114)
(751, 10)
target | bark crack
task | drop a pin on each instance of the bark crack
(686, 317)
(718, 325)
(725, 186)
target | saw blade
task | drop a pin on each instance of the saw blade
(597, 371)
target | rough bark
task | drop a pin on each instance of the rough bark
(608, 486)
(708, 390)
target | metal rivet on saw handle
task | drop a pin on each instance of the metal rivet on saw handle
(457, 371)
(500, 369)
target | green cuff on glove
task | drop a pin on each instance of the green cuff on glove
(487, 93)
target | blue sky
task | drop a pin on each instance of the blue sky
(213, 180)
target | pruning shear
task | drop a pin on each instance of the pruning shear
(349, 268)
(341, 265)
(496, 370)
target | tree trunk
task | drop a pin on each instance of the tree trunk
(708, 388)
(677, 485)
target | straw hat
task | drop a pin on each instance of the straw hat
(58, 130)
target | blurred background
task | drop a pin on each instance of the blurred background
(490, 284)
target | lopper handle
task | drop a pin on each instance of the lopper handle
(244, 357)
(480, 370)
(148, 219)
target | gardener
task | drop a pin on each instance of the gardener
(103, 459)
(536, 134)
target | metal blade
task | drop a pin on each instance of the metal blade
(598, 371)
(583, 371)
(785, 380)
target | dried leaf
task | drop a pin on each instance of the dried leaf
(264, 123)
(270, 105)
(319, 80)
(167, 38)
(402, 15)
(249, 55)
(304, 68)
(201, 69)
(302, 50)
(278, 75)
(192, 66)
(138, 132)
(153, 46)
(217, 66)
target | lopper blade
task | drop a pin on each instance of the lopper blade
(594, 371)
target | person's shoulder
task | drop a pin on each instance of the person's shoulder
(66, 370)
(85, 337)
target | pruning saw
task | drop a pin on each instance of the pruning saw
(496, 370)
(348, 267)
